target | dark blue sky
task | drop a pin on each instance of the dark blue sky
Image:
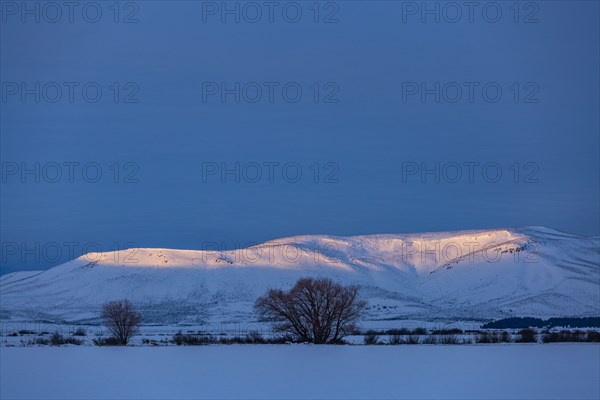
(385, 105)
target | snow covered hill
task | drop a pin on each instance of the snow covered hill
(462, 275)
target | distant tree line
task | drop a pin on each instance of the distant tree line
(529, 322)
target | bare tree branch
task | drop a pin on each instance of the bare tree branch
(121, 319)
(314, 310)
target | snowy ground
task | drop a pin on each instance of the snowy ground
(559, 371)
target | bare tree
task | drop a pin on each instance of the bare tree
(314, 310)
(121, 319)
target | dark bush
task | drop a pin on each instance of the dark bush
(401, 331)
(403, 339)
(371, 338)
(487, 337)
(390, 332)
(70, 340)
(493, 337)
(504, 337)
(447, 332)
(79, 332)
(564, 336)
(395, 340)
(592, 336)
(192, 340)
(110, 341)
(26, 332)
(430, 339)
(251, 338)
(412, 339)
(527, 336)
(232, 340)
(256, 338)
(58, 340)
(552, 337)
(39, 341)
(449, 339)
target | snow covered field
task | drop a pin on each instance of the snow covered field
(558, 371)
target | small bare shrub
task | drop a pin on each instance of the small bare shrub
(401, 331)
(110, 341)
(371, 338)
(58, 340)
(467, 340)
(430, 339)
(254, 337)
(454, 331)
(592, 336)
(41, 341)
(488, 337)
(412, 339)
(564, 336)
(192, 340)
(121, 319)
(395, 340)
(527, 336)
(504, 337)
(449, 339)
(79, 332)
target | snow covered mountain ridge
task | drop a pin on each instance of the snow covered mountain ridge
(464, 275)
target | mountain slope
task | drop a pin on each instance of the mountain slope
(453, 275)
